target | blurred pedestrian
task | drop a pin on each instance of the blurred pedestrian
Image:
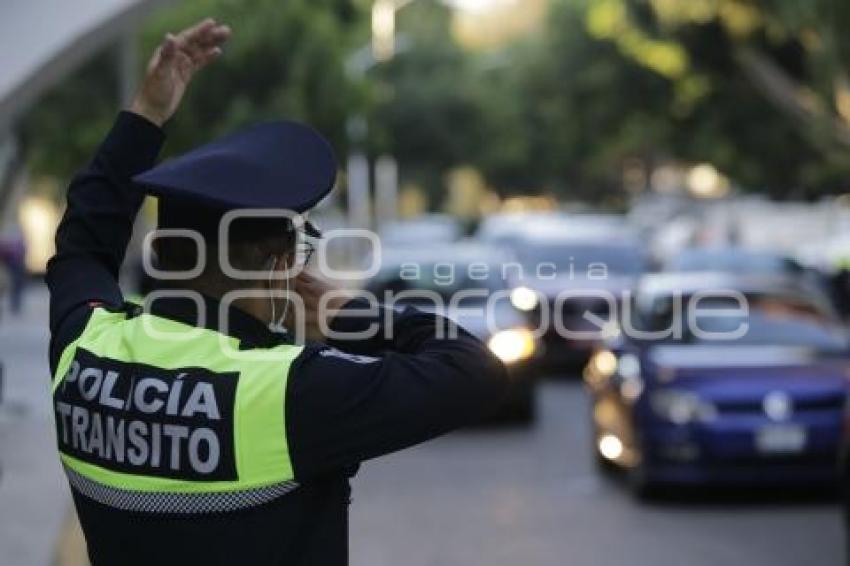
(199, 431)
(840, 286)
(13, 254)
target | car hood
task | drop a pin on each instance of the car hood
(735, 371)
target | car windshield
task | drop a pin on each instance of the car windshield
(444, 278)
(578, 260)
(768, 321)
(733, 262)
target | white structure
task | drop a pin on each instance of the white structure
(41, 41)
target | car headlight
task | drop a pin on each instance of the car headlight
(512, 345)
(631, 382)
(605, 364)
(524, 299)
(682, 407)
(602, 365)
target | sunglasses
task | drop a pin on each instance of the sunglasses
(304, 252)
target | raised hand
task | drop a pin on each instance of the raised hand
(318, 312)
(172, 67)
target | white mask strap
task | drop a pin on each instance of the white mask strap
(277, 325)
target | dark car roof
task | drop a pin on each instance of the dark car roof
(688, 283)
(460, 253)
(731, 253)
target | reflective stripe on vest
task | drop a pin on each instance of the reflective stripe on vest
(159, 416)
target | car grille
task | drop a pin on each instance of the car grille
(825, 459)
(826, 402)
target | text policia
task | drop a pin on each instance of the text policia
(135, 418)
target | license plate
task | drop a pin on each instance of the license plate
(781, 439)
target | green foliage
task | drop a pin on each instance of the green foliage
(768, 74)
(602, 84)
(561, 111)
(608, 82)
(285, 59)
(62, 131)
(423, 109)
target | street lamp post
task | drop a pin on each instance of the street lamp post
(385, 44)
(383, 29)
(383, 47)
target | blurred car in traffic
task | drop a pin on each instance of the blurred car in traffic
(572, 287)
(744, 382)
(431, 228)
(4, 289)
(465, 282)
(508, 228)
(742, 261)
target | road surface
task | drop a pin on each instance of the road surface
(505, 497)
(34, 500)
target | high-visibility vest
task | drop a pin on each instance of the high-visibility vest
(154, 415)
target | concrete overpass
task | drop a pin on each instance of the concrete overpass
(41, 41)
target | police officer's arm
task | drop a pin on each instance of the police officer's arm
(343, 408)
(93, 235)
(102, 202)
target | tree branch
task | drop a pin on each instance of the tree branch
(789, 96)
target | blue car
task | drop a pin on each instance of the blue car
(721, 379)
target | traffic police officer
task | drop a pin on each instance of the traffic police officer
(189, 431)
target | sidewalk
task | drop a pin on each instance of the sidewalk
(34, 499)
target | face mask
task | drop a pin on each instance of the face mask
(277, 324)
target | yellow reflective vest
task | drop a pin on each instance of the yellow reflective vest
(154, 415)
